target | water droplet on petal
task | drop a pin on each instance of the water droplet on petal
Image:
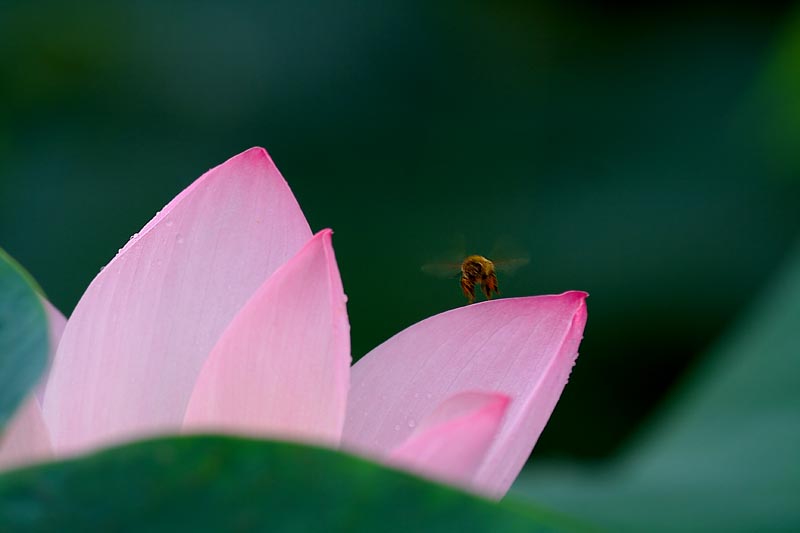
(168, 223)
(179, 239)
(411, 423)
(397, 428)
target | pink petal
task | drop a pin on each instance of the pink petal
(135, 344)
(25, 439)
(521, 347)
(451, 442)
(282, 366)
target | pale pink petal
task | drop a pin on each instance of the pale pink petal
(521, 347)
(135, 344)
(56, 323)
(24, 439)
(282, 366)
(451, 443)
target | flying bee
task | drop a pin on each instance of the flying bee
(476, 270)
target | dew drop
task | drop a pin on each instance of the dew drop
(397, 428)
(168, 223)
(429, 396)
(411, 423)
(179, 239)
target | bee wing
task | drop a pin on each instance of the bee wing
(443, 269)
(510, 266)
(508, 255)
(447, 263)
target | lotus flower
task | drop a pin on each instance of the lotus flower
(224, 313)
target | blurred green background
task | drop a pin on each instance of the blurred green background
(649, 155)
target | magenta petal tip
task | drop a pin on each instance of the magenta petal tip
(451, 443)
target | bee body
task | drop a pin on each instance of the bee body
(478, 270)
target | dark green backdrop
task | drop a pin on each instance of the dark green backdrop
(648, 155)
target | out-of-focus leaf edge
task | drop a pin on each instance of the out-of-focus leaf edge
(211, 482)
(4, 256)
(25, 322)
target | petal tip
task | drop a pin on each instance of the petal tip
(256, 156)
(493, 404)
(577, 295)
(501, 401)
(325, 238)
(321, 241)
